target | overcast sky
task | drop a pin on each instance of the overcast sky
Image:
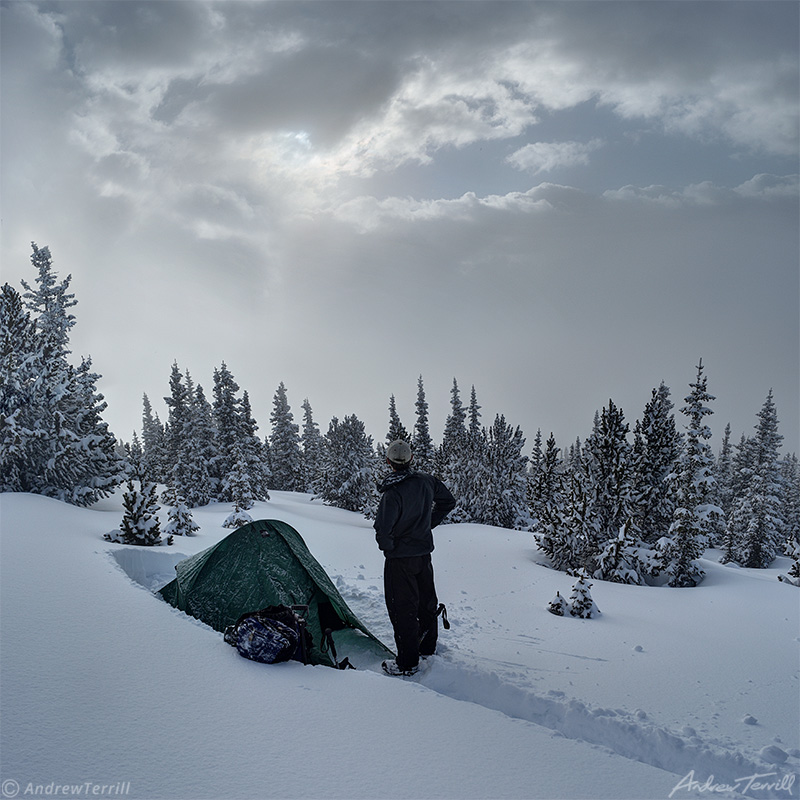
(558, 203)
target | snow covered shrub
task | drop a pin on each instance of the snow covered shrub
(558, 605)
(580, 601)
(237, 519)
(140, 523)
(179, 518)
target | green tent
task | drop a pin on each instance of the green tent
(264, 563)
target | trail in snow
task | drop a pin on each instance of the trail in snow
(503, 686)
(500, 686)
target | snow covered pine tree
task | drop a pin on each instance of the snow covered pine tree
(580, 601)
(756, 525)
(54, 441)
(140, 523)
(695, 515)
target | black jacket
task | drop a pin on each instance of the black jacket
(412, 504)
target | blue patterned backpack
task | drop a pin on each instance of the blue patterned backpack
(270, 635)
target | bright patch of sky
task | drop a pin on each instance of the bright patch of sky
(618, 153)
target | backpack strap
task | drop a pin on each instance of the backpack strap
(328, 645)
(300, 613)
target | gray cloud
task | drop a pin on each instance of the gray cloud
(222, 181)
(321, 91)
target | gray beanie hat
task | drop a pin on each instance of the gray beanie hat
(399, 452)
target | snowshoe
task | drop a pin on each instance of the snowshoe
(391, 668)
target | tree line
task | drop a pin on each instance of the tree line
(635, 506)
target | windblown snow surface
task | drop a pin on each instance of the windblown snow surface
(108, 691)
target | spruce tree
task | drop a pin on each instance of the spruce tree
(534, 472)
(96, 445)
(239, 486)
(134, 454)
(547, 501)
(619, 561)
(285, 445)
(581, 603)
(422, 444)
(695, 514)
(574, 460)
(19, 358)
(474, 415)
(608, 468)
(790, 474)
(756, 523)
(723, 472)
(396, 428)
(545, 482)
(742, 461)
(227, 421)
(140, 523)
(257, 460)
(657, 448)
(68, 451)
(686, 546)
(453, 463)
(178, 439)
(179, 518)
(200, 444)
(348, 467)
(49, 302)
(471, 473)
(501, 478)
(570, 540)
(311, 441)
(154, 453)
(558, 605)
(51, 452)
(454, 437)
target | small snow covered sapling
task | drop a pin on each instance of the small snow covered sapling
(241, 493)
(237, 519)
(179, 518)
(580, 601)
(140, 523)
(558, 605)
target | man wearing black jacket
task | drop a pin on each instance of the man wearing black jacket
(412, 504)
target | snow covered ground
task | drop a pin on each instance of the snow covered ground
(108, 691)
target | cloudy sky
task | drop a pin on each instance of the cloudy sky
(556, 202)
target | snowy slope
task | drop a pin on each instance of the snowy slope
(107, 689)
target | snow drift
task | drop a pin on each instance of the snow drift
(107, 689)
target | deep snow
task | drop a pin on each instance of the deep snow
(107, 690)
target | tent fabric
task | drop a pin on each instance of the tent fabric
(261, 564)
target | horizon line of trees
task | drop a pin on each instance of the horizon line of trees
(640, 511)
(633, 511)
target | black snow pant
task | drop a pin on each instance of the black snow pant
(411, 603)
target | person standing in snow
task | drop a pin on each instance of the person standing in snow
(412, 504)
